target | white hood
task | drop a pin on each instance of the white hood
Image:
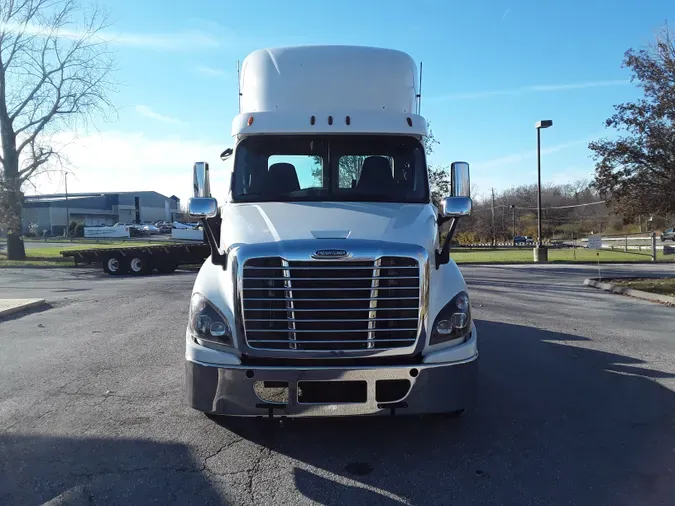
(281, 221)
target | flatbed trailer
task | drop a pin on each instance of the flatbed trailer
(164, 258)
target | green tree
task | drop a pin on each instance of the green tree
(54, 70)
(636, 172)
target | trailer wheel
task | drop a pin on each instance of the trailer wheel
(167, 267)
(139, 265)
(114, 265)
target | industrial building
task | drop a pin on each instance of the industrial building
(52, 213)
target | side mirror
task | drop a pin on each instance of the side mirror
(203, 207)
(460, 183)
(201, 186)
(456, 207)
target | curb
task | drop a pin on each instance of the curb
(624, 290)
(67, 266)
(26, 304)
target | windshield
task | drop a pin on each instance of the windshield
(365, 168)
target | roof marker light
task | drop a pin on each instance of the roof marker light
(330, 120)
(348, 120)
(409, 121)
(250, 121)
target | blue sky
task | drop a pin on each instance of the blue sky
(491, 70)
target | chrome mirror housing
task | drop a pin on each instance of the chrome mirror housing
(460, 182)
(456, 207)
(203, 207)
(201, 186)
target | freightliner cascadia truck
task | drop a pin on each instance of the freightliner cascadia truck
(329, 289)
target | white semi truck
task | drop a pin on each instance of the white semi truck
(328, 291)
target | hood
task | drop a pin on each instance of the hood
(251, 223)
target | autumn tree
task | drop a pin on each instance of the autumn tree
(54, 75)
(636, 172)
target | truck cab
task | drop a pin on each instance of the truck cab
(328, 291)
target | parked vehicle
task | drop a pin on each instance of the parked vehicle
(184, 226)
(164, 227)
(522, 239)
(150, 229)
(134, 229)
(327, 291)
(668, 234)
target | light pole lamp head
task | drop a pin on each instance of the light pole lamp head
(545, 123)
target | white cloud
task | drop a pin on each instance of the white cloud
(473, 95)
(525, 155)
(187, 40)
(144, 110)
(579, 86)
(210, 71)
(119, 161)
(572, 173)
(180, 41)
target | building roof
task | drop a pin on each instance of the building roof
(56, 197)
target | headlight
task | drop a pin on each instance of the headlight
(207, 323)
(453, 321)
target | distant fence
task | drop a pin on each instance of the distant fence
(632, 244)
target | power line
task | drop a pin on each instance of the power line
(545, 208)
(568, 207)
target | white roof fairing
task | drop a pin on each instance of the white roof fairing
(283, 87)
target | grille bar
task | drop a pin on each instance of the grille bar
(321, 267)
(266, 299)
(303, 310)
(341, 331)
(366, 341)
(331, 305)
(332, 279)
(333, 321)
(324, 288)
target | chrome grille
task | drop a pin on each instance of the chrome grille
(331, 305)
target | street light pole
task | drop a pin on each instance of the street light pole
(65, 176)
(540, 253)
(513, 208)
(538, 187)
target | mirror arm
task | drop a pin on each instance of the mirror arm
(213, 239)
(442, 220)
(443, 256)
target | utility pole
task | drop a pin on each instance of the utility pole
(65, 176)
(493, 218)
(513, 208)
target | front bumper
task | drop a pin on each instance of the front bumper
(434, 387)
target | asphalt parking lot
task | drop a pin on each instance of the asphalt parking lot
(577, 405)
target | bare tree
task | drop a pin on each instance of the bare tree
(55, 70)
